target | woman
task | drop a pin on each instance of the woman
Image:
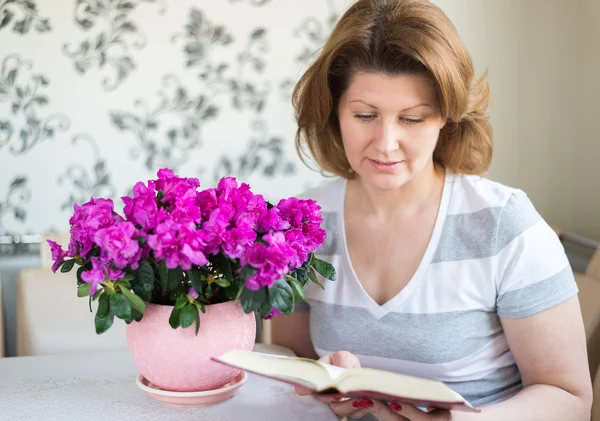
(441, 272)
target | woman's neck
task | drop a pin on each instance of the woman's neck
(418, 193)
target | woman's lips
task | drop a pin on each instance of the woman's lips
(385, 166)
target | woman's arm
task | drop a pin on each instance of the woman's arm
(293, 331)
(550, 351)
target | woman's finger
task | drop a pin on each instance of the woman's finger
(302, 391)
(343, 359)
(383, 412)
(413, 413)
(350, 406)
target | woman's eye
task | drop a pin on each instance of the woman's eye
(412, 120)
(365, 117)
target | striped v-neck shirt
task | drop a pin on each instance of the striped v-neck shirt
(491, 256)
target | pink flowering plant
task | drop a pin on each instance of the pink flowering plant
(181, 246)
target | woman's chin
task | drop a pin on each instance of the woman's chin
(385, 181)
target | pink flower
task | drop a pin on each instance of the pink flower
(295, 239)
(214, 230)
(236, 240)
(272, 260)
(272, 220)
(142, 208)
(251, 212)
(179, 244)
(58, 254)
(226, 186)
(291, 210)
(175, 187)
(297, 211)
(119, 245)
(100, 272)
(273, 313)
(192, 292)
(207, 202)
(87, 219)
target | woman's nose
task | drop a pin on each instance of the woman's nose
(387, 139)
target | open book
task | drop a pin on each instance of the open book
(324, 378)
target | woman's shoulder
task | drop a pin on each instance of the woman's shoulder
(495, 211)
(474, 193)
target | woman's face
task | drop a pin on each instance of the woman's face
(390, 127)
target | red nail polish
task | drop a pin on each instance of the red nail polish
(368, 403)
(356, 404)
(395, 407)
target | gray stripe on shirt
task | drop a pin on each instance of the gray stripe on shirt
(425, 338)
(482, 234)
(495, 387)
(518, 216)
(539, 296)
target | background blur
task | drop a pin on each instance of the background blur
(97, 94)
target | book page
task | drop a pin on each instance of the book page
(334, 371)
(301, 371)
(394, 384)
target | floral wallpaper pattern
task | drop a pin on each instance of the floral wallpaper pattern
(97, 94)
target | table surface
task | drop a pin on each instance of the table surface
(101, 386)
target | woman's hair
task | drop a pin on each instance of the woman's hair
(395, 37)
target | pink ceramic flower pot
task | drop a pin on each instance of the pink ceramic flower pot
(177, 359)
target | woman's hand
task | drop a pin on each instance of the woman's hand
(356, 408)
(403, 412)
(353, 408)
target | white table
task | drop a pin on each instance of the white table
(101, 386)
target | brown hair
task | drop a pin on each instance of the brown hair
(395, 37)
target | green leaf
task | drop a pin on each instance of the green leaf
(135, 315)
(324, 268)
(297, 287)
(188, 315)
(175, 278)
(141, 241)
(181, 301)
(125, 281)
(253, 300)
(80, 280)
(97, 294)
(313, 277)
(120, 306)
(136, 302)
(200, 306)
(302, 273)
(222, 282)
(174, 318)
(195, 277)
(163, 273)
(67, 265)
(103, 305)
(104, 323)
(197, 322)
(236, 286)
(265, 309)
(104, 316)
(247, 272)
(224, 265)
(281, 296)
(144, 281)
(84, 290)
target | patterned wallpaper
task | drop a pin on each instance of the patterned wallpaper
(97, 94)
